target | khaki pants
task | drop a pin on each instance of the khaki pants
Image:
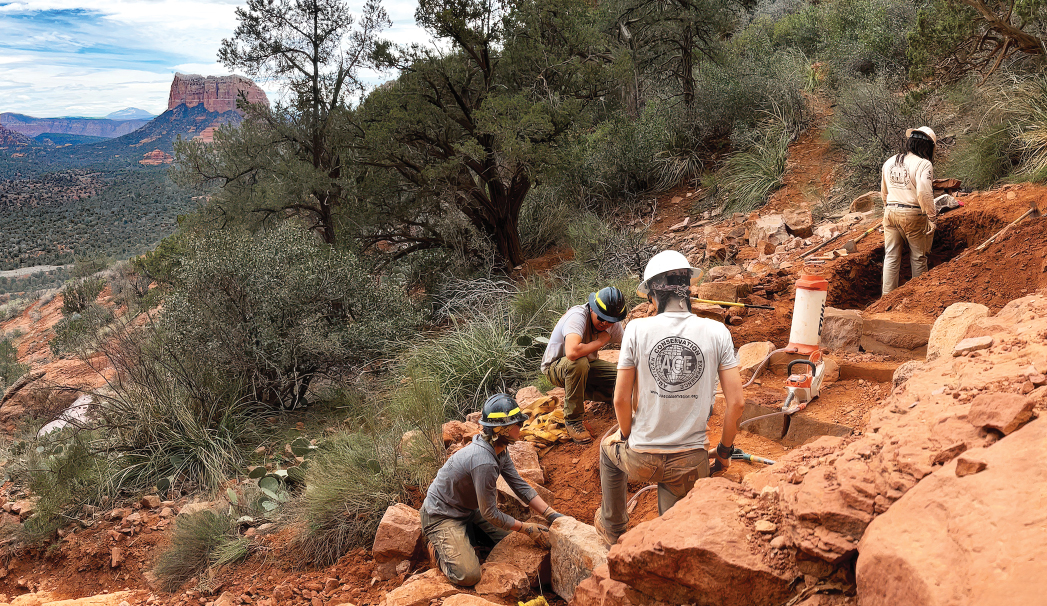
(675, 473)
(455, 541)
(582, 380)
(904, 226)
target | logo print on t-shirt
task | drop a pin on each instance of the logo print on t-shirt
(899, 177)
(676, 364)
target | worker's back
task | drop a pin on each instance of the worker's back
(677, 357)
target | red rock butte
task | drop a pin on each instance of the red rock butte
(216, 93)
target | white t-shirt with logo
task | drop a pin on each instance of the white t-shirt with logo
(677, 357)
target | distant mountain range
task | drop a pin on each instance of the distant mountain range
(92, 127)
(130, 113)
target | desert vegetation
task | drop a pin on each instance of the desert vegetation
(352, 266)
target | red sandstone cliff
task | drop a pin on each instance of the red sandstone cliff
(216, 93)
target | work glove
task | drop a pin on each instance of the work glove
(539, 534)
(721, 458)
(930, 228)
(551, 515)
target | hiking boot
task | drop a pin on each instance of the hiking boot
(605, 535)
(577, 431)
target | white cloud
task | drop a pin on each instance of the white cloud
(111, 54)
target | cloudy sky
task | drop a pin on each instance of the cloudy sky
(93, 57)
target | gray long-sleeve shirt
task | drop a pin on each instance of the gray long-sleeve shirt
(466, 483)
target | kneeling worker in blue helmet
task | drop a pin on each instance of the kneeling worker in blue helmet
(571, 359)
(664, 394)
(461, 512)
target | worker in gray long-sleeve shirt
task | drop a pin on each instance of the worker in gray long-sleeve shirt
(461, 511)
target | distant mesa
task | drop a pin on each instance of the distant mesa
(130, 113)
(155, 158)
(215, 93)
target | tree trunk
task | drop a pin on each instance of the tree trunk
(507, 236)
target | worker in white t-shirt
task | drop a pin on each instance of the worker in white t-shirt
(909, 213)
(671, 362)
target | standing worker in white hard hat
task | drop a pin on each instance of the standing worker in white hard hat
(909, 214)
(671, 363)
(571, 359)
(460, 511)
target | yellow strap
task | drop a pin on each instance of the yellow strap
(502, 415)
(602, 305)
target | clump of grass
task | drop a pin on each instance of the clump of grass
(200, 540)
(754, 173)
(348, 486)
(1027, 108)
(982, 158)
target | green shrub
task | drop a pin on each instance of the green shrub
(199, 540)
(65, 475)
(275, 310)
(10, 368)
(477, 357)
(869, 123)
(755, 172)
(1024, 102)
(348, 486)
(80, 331)
(78, 295)
(86, 267)
(981, 158)
(543, 220)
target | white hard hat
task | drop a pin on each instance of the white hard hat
(667, 260)
(925, 130)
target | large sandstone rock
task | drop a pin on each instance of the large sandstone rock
(965, 541)
(576, 551)
(216, 93)
(751, 355)
(723, 272)
(601, 590)
(502, 580)
(842, 329)
(718, 291)
(697, 553)
(951, 327)
(865, 202)
(519, 551)
(399, 535)
(799, 222)
(459, 431)
(906, 370)
(886, 335)
(1004, 412)
(512, 505)
(420, 589)
(525, 459)
(768, 227)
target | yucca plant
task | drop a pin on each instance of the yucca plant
(754, 173)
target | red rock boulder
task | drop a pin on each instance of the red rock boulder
(980, 539)
(399, 535)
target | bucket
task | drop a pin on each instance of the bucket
(808, 314)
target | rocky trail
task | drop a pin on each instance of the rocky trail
(908, 481)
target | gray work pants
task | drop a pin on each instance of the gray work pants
(902, 226)
(455, 541)
(674, 472)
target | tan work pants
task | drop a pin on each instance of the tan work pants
(674, 472)
(902, 225)
(582, 379)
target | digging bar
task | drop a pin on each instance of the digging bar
(1033, 210)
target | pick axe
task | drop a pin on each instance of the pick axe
(1033, 211)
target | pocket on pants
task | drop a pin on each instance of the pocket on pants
(642, 467)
